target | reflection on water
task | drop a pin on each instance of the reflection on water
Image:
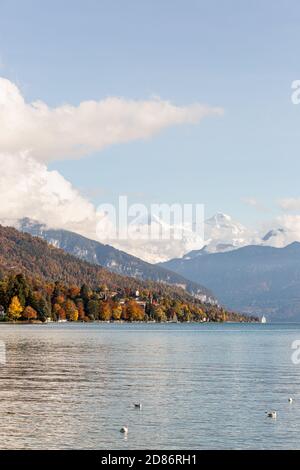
(202, 386)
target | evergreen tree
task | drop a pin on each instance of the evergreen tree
(85, 294)
(19, 287)
(43, 309)
(93, 309)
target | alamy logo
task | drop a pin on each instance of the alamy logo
(295, 357)
(2, 353)
(157, 222)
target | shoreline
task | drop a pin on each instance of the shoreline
(123, 322)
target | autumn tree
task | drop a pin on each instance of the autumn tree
(104, 311)
(133, 311)
(175, 311)
(74, 315)
(116, 312)
(160, 314)
(61, 313)
(55, 311)
(199, 315)
(60, 299)
(71, 310)
(58, 290)
(15, 309)
(80, 308)
(74, 292)
(29, 313)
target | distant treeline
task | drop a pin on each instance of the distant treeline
(23, 298)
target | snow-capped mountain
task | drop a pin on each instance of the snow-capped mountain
(278, 238)
(222, 233)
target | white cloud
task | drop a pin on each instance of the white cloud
(255, 203)
(32, 134)
(290, 204)
(281, 231)
(250, 201)
(75, 131)
(291, 224)
(29, 189)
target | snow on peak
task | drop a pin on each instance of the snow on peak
(278, 232)
(222, 233)
(278, 237)
(219, 218)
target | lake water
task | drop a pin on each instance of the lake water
(204, 386)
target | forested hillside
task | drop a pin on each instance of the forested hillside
(52, 284)
(109, 257)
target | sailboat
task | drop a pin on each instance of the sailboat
(263, 319)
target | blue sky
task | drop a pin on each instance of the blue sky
(239, 55)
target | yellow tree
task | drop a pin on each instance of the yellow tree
(160, 314)
(15, 309)
(116, 312)
(81, 312)
(71, 310)
(134, 311)
(74, 315)
(105, 311)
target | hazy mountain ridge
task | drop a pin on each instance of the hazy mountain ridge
(253, 279)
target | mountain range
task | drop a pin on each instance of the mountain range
(238, 266)
(114, 260)
(35, 269)
(260, 279)
(34, 257)
(221, 233)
